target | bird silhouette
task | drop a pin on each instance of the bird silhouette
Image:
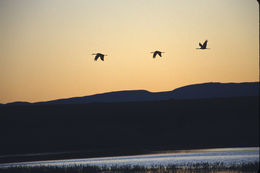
(157, 52)
(99, 55)
(204, 45)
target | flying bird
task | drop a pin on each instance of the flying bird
(157, 53)
(204, 45)
(99, 55)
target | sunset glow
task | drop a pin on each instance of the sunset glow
(46, 46)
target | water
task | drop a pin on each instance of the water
(227, 156)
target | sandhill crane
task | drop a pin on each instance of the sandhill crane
(99, 55)
(157, 53)
(204, 45)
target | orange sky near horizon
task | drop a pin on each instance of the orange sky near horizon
(46, 46)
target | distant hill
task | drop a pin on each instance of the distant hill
(195, 91)
(19, 103)
(217, 90)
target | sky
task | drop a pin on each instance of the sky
(46, 46)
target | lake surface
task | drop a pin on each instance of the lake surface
(227, 156)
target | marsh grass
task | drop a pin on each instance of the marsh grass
(193, 168)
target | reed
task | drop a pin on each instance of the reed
(192, 168)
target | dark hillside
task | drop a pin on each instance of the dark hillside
(129, 127)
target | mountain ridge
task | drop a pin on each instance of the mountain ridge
(193, 91)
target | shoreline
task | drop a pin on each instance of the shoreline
(232, 160)
(34, 157)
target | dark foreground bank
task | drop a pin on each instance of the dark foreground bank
(109, 129)
(207, 168)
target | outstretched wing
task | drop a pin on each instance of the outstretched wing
(96, 57)
(200, 45)
(102, 58)
(160, 54)
(205, 44)
(154, 54)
